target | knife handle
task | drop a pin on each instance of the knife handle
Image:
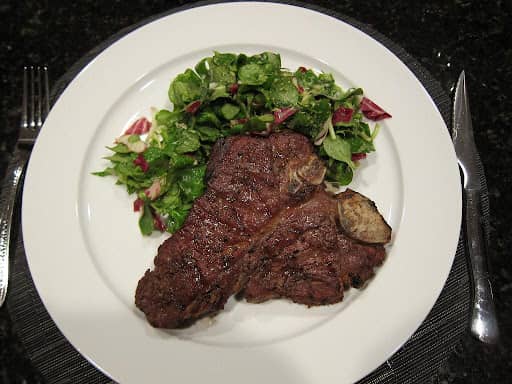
(484, 324)
(8, 197)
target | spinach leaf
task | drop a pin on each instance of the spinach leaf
(310, 119)
(269, 60)
(177, 217)
(187, 140)
(208, 118)
(223, 68)
(219, 92)
(252, 74)
(318, 85)
(168, 201)
(181, 161)
(283, 92)
(191, 181)
(327, 87)
(350, 93)
(338, 149)
(201, 68)
(152, 154)
(168, 118)
(225, 59)
(258, 69)
(185, 88)
(358, 145)
(210, 134)
(340, 173)
(229, 111)
(257, 123)
(146, 221)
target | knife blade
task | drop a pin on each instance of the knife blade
(483, 321)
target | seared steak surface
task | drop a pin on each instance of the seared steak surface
(264, 229)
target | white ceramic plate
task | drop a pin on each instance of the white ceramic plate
(86, 254)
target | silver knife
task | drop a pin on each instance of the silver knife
(484, 325)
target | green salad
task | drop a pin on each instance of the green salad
(163, 160)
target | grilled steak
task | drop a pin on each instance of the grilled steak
(250, 179)
(264, 228)
(309, 258)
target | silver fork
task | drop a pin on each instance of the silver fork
(35, 106)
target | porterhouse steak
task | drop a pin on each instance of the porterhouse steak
(263, 229)
(307, 256)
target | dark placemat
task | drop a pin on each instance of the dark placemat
(416, 362)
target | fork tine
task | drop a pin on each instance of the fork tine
(46, 92)
(32, 118)
(24, 103)
(39, 98)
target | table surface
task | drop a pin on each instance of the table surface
(444, 36)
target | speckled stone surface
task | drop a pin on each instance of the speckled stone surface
(444, 36)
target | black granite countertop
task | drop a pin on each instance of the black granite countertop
(445, 36)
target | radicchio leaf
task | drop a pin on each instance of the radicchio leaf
(139, 127)
(372, 111)
(233, 88)
(193, 107)
(158, 223)
(342, 115)
(138, 204)
(141, 162)
(154, 190)
(282, 114)
(358, 156)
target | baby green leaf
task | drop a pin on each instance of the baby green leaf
(146, 224)
(185, 88)
(187, 141)
(191, 182)
(283, 93)
(229, 111)
(338, 149)
(252, 74)
(340, 173)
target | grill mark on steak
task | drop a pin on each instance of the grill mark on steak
(263, 229)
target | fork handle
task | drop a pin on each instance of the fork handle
(8, 197)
